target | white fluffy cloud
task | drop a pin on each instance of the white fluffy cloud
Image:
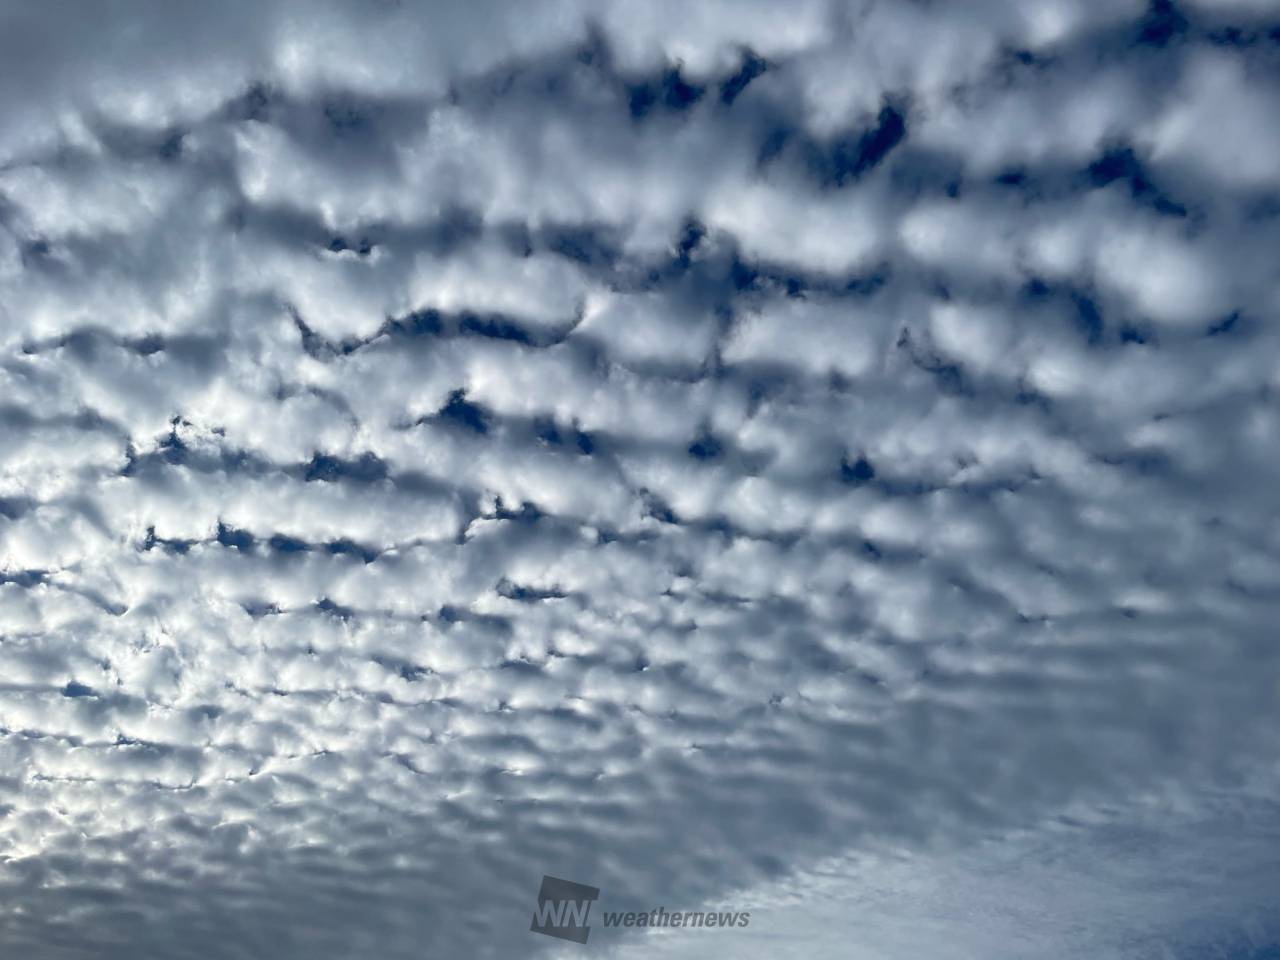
(756, 453)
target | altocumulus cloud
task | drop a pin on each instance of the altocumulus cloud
(816, 458)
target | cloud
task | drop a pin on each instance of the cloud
(664, 449)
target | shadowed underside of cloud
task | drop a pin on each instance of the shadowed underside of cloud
(808, 453)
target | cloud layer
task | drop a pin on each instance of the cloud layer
(660, 447)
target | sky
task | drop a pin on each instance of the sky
(818, 459)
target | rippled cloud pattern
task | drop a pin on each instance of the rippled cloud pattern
(821, 458)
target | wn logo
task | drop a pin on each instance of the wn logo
(563, 907)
